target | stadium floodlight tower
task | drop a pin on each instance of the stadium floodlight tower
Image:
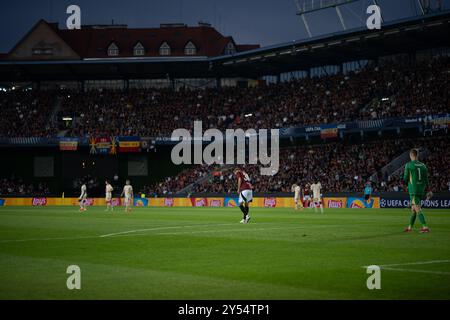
(307, 6)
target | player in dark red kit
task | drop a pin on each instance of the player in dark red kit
(244, 189)
(307, 196)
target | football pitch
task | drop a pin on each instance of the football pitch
(204, 253)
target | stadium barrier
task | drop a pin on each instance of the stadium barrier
(394, 200)
(387, 200)
(264, 202)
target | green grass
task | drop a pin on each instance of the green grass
(204, 253)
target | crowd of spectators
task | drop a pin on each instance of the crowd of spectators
(373, 92)
(17, 187)
(25, 113)
(339, 167)
(92, 184)
(176, 183)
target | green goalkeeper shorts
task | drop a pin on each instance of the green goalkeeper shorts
(415, 198)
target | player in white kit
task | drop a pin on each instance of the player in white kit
(128, 192)
(83, 197)
(297, 196)
(108, 196)
(317, 199)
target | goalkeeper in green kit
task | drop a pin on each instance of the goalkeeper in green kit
(416, 176)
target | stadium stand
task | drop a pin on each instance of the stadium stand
(25, 113)
(339, 167)
(17, 187)
(375, 92)
(389, 86)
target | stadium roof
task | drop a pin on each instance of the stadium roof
(405, 36)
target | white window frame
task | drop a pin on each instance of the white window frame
(113, 50)
(190, 49)
(138, 49)
(164, 49)
(230, 48)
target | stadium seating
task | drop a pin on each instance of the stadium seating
(26, 113)
(339, 167)
(17, 187)
(374, 92)
(386, 91)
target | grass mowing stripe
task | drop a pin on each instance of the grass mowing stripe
(281, 254)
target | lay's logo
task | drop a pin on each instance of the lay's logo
(39, 201)
(115, 202)
(168, 202)
(215, 203)
(200, 202)
(270, 202)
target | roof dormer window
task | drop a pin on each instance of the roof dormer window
(113, 50)
(230, 48)
(164, 49)
(190, 49)
(138, 49)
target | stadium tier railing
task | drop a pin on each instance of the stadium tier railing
(418, 122)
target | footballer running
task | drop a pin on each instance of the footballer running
(245, 191)
(416, 176)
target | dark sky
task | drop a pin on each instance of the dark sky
(249, 21)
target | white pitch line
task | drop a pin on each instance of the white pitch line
(413, 263)
(47, 239)
(223, 230)
(416, 270)
(390, 267)
(163, 228)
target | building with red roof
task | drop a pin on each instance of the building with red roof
(46, 41)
